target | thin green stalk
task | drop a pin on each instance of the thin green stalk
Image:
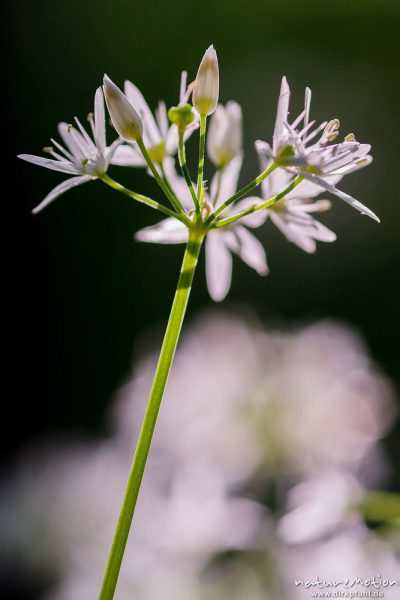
(185, 171)
(160, 379)
(256, 207)
(202, 146)
(140, 198)
(165, 188)
(242, 192)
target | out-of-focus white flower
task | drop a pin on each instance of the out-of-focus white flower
(206, 87)
(220, 242)
(319, 162)
(84, 157)
(225, 135)
(123, 115)
(314, 391)
(319, 505)
(159, 137)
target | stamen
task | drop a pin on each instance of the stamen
(350, 138)
(182, 89)
(63, 150)
(84, 133)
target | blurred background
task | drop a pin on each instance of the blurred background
(84, 300)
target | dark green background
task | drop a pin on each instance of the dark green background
(80, 291)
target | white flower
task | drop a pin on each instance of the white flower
(291, 214)
(159, 137)
(224, 140)
(123, 115)
(84, 157)
(206, 88)
(318, 162)
(220, 242)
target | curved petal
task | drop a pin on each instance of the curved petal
(99, 121)
(178, 183)
(229, 180)
(61, 189)
(249, 248)
(255, 219)
(342, 195)
(127, 156)
(168, 231)
(281, 114)
(49, 163)
(151, 135)
(218, 265)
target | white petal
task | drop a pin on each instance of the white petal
(73, 139)
(229, 180)
(356, 166)
(48, 163)
(99, 120)
(168, 231)
(276, 182)
(308, 189)
(255, 219)
(342, 195)
(61, 189)
(151, 134)
(128, 156)
(178, 183)
(281, 114)
(162, 119)
(249, 248)
(218, 265)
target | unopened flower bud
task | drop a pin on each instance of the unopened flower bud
(123, 116)
(225, 134)
(206, 88)
(181, 115)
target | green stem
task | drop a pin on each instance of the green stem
(160, 379)
(140, 198)
(185, 171)
(242, 192)
(256, 207)
(202, 146)
(165, 188)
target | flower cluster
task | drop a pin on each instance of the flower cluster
(303, 161)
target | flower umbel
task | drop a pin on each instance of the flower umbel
(304, 161)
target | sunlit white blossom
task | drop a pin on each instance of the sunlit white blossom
(84, 157)
(292, 213)
(298, 148)
(220, 242)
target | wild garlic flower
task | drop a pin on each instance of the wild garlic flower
(160, 137)
(225, 134)
(291, 214)
(222, 242)
(319, 162)
(84, 157)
